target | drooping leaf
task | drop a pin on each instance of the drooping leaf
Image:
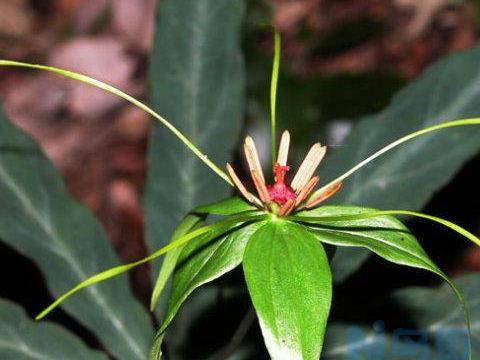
(201, 261)
(378, 213)
(204, 260)
(23, 339)
(196, 80)
(408, 177)
(170, 260)
(178, 341)
(289, 281)
(227, 207)
(40, 219)
(386, 236)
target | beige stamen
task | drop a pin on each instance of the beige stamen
(283, 149)
(307, 189)
(308, 166)
(252, 157)
(287, 208)
(317, 199)
(261, 187)
(243, 190)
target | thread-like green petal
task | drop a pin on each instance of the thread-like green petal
(219, 227)
(117, 92)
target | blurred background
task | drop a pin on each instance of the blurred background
(341, 59)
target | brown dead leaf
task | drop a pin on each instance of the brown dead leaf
(423, 14)
(87, 14)
(32, 101)
(16, 18)
(133, 124)
(103, 58)
(135, 21)
(357, 60)
(66, 7)
(470, 261)
(288, 14)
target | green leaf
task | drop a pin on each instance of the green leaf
(289, 280)
(227, 207)
(386, 236)
(168, 264)
(40, 219)
(206, 259)
(378, 213)
(179, 341)
(23, 339)
(156, 351)
(201, 261)
(408, 177)
(197, 81)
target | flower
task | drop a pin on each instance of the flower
(282, 198)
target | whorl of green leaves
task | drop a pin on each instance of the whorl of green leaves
(304, 227)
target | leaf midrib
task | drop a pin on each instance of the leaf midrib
(194, 70)
(466, 96)
(22, 346)
(66, 254)
(427, 266)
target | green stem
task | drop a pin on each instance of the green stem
(444, 125)
(132, 100)
(273, 94)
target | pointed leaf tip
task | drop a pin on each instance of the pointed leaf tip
(291, 294)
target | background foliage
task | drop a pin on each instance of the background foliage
(208, 69)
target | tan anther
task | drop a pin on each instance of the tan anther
(306, 190)
(308, 167)
(243, 190)
(324, 195)
(287, 208)
(283, 149)
(260, 186)
(251, 155)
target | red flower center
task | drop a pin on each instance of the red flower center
(280, 192)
